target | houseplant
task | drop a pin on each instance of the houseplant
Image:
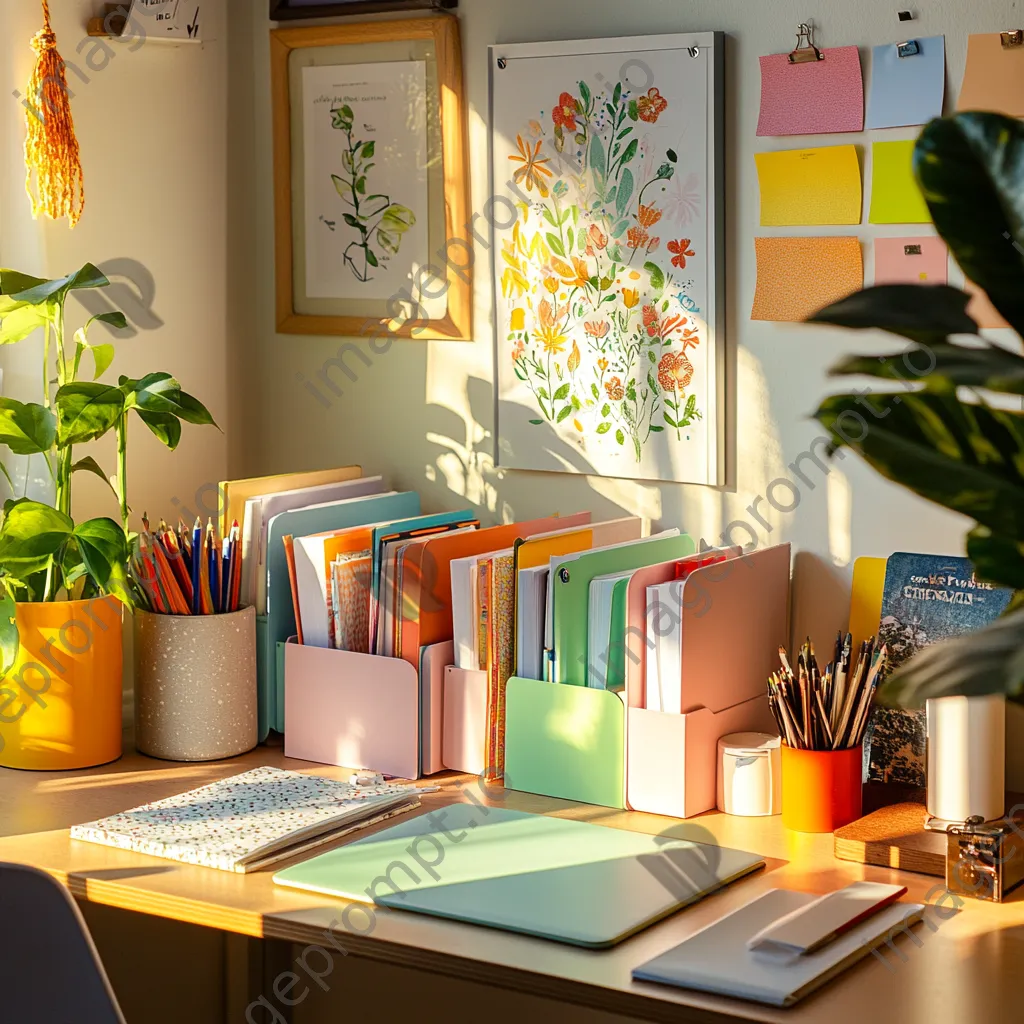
(936, 433)
(62, 583)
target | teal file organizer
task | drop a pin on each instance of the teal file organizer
(565, 741)
(279, 622)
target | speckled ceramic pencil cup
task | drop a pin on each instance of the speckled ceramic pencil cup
(195, 685)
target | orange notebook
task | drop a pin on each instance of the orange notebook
(427, 579)
(289, 554)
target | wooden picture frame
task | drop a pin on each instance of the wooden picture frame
(448, 313)
(284, 10)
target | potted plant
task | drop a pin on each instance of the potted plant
(62, 584)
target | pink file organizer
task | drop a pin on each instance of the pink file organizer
(363, 710)
(730, 641)
(465, 720)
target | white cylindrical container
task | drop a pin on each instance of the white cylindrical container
(966, 757)
(750, 774)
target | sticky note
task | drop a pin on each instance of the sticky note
(906, 90)
(895, 197)
(980, 308)
(923, 260)
(813, 98)
(798, 276)
(993, 77)
(810, 186)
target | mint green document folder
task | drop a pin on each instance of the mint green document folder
(570, 881)
(303, 522)
(565, 741)
(571, 581)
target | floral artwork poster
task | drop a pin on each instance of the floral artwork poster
(365, 172)
(605, 282)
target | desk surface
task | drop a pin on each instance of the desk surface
(966, 964)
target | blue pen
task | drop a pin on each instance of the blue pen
(211, 558)
(197, 551)
(225, 576)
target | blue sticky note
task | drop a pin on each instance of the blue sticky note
(906, 90)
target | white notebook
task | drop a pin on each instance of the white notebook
(249, 821)
(717, 959)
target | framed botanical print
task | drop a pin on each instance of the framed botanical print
(369, 180)
(608, 261)
(290, 10)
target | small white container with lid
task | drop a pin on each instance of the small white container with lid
(750, 774)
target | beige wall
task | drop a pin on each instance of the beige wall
(151, 120)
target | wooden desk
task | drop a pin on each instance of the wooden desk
(966, 965)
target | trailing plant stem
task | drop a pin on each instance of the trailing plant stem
(122, 469)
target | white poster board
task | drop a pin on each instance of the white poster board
(607, 278)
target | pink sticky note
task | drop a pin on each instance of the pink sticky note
(897, 262)
(813, 98)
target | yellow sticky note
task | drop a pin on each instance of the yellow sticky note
(866, 598)
(798, 276)
(895, 197)
(810, 186)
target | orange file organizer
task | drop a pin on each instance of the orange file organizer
(602, 747)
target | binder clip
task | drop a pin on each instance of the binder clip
(911, 250)
(904, 16)
(907, 49)
(805, 51)
(1015, 37)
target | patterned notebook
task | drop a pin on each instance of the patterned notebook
(249, 821)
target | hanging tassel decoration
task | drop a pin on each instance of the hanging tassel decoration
(51, 148)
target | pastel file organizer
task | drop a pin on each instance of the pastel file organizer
(434, 660)
(279, 623)
(567, 739)
(735, 616)
(597, 746)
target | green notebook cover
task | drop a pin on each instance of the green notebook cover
(571, 581)
(616, 677)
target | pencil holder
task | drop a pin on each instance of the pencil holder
(821, 789)
(195, 685)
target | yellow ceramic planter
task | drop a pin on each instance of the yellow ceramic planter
(60, 705)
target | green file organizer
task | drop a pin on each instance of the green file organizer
(274, 628)
(565, 741)
(571, 581)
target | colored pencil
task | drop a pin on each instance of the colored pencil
(236, 575)
(197, 582)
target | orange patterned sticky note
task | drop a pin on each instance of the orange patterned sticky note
(797, 276)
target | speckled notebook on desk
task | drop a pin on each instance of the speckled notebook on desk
(249, 821)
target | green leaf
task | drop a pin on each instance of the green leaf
(342, 118)
(398, 218)
(54, 291)
(361, 185)
(671, 154)
(351, 221)
(656, 429)
(970, 167)
(13, 282)
(536, 422)
(20, 323)
(371, 258)
(90, 465)
(597, 162)
(343, 187)
(585, 93)
(629, 152)
(86, 410)
(104, 550)
(671, 422)
(633, 111)
(617, 95)
(26, 428)
(554, 243)
(965, 457)
(166, 426)
(597, 394)
(374, 204)
(9, 639)
(657, 276)
(31, 534)
(564, 414)
(921, 312)
(652, 382)
(104, 356)
(368, 149)
(603, 428)
(997, 559)
(620, 437)
(625, 192)
(562, 393)
(389, 241)
(606, 409)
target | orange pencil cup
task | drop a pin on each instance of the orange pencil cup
(821, 789)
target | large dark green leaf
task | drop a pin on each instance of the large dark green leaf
(977, 366)
(989, 660)
(30, 535)
(12, 282)
(156, 392)
(52, 291)
(104, 550)
(90, 465)
(25, 427)
(165, 425)
(191, 410)
(922, 312)
(964, 457)
(971, 169)
(86, 410)
(996, 558)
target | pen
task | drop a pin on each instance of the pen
(197, 549)
(212, 562)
